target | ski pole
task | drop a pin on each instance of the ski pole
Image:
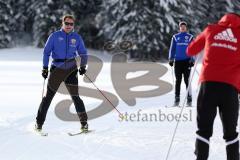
(120, 114)
(173, 76)
(43, 87)
(197, 73)
(198, 84)
(175, 130)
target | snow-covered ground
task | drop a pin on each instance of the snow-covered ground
(113, 139)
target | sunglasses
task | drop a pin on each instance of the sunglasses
(68, 24)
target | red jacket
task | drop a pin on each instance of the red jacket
(221, 44)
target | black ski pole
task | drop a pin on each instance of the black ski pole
(120, 114)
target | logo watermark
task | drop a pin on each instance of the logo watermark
(119, 69)
(159, 115)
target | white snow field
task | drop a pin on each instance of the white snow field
(112, 139)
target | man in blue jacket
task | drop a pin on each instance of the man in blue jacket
(182, 62)
(63, 46)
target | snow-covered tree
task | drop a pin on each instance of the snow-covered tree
(86, 24)
(149, 24)
(171, 13)
(46, 20)
(5, 24)
(235, 6)
(22, 21)
(205, 12)
(48, 14)
(21, 14)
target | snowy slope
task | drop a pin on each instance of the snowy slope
(20, 92)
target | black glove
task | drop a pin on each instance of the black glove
(170, 63)
(82, 70)
(191, 64)
(45, 73)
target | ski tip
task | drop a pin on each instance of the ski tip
(79, 133)
(44, 134)
(40, 133)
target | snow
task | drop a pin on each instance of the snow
(113, 139)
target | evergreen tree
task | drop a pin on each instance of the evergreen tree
(5, 25)
(171, 13)
(21, 14)
(48, 14)
(235, 6)
(23, 20)
(148, 23)
(46, 20)
(205, 12)
(86, 12)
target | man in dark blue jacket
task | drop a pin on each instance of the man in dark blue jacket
(63, 46)
(182, 62)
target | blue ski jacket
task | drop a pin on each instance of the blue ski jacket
(179, 46)
(63, 46)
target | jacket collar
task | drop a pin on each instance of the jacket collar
(65, 32)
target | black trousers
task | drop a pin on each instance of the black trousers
(215, 95)
(181, 68)
(57, 76)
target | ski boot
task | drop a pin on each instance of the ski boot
(83, 120)
(38, 128)
(177, 101)
(84, 128)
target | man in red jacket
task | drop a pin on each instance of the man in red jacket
(220, 83)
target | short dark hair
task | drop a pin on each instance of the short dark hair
(68, 16)
(182, 23)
